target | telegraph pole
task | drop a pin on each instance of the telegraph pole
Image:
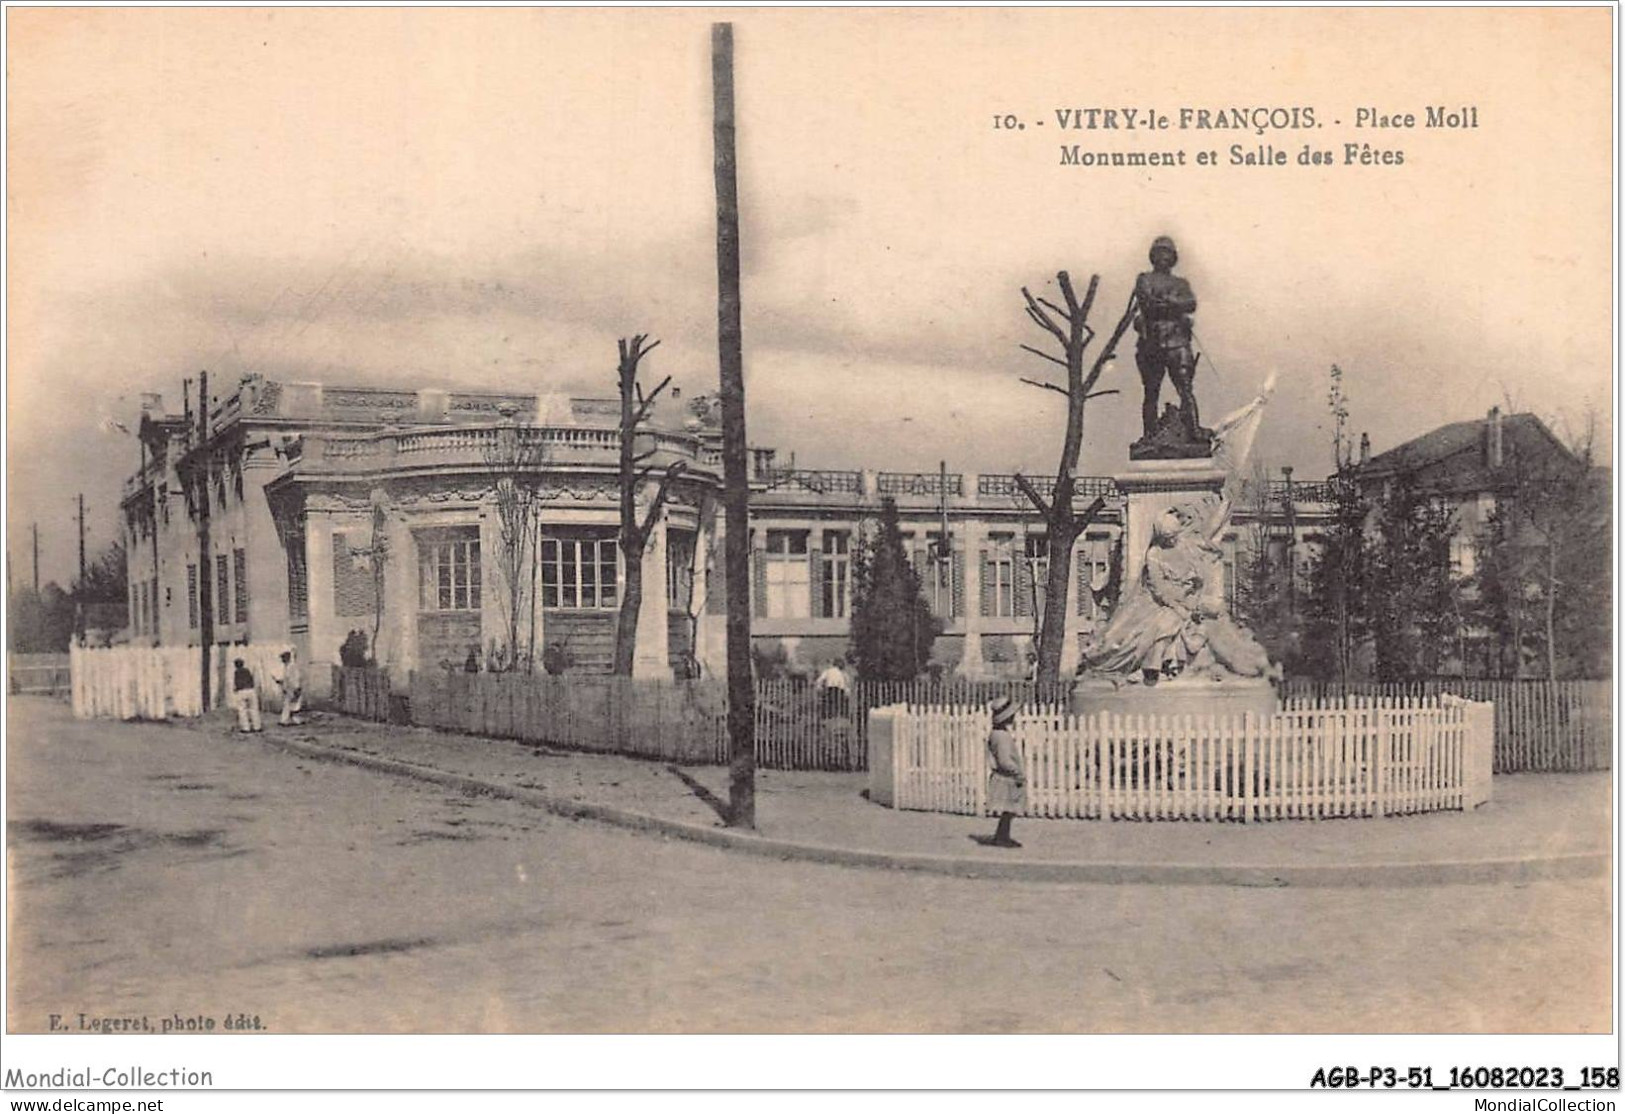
(36, 558)
(79, 590)
(205, 590)
(152, 604)
(735, 480)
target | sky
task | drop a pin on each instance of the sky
(490, 198)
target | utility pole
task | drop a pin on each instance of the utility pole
(735, 481)
(152, 523)
(79, 589)
(36, 558)
(205, 579)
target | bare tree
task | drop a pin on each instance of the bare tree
(513, 458)
(1069, 325)
(378, 556)
(636, 471)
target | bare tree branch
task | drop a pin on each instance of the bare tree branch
(673, 470)
(1044, 355)
(1097, 394)
(1056, 310)
(1062, 391)
(1031, 493)
(1041, 318)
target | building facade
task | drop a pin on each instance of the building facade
(449, 525)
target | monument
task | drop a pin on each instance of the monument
(1171, 647)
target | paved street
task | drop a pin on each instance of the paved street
(158, 869)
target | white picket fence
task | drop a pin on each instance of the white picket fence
(1353, 758)
(156, 682)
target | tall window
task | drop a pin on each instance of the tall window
(937, 576)
(152, 605)
(239, 581)
(191, 596)
(449, 570)
(837, 574)
(679, 568)
(999, 577)
(581, 571)
(1037, 557)
(1463, 556)
(789, 581)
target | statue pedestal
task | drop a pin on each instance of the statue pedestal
(1182, 696)
(1153, 486)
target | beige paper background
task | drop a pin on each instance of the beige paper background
(427, 196)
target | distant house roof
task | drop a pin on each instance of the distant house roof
(1457, 457)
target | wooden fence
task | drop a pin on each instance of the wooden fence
(1377, 757)
(799, 726)
(40, 674)
(679, 721)
(156, 682)
(364, 692)
(1539, 725)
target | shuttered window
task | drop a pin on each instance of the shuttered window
(999, 577)
(239, 583)
(222, 586)
(191, 596)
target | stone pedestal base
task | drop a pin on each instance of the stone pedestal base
(1181, 696)
(1153, 486)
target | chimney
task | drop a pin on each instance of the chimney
(1494, 452)
(1365, 449)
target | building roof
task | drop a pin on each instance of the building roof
(1464, 446)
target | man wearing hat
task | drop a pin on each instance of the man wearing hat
(1007, 784)
(293, 690)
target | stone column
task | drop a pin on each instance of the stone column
(1074, 623)
(324, 635)
(973, 536)
(651, 658)
(267, 570)
(398, 634)
(711, 632)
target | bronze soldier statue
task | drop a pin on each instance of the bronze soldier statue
(1165, 304)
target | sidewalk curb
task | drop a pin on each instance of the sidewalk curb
(1469, 871)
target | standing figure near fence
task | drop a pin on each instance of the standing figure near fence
(1007, 784)
(293, 690)
(245, 698)
(834, 694)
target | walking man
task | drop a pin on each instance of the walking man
(293, 690)
(246, 699)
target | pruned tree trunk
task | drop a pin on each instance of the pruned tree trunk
(634, 472)
(1069, 325)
